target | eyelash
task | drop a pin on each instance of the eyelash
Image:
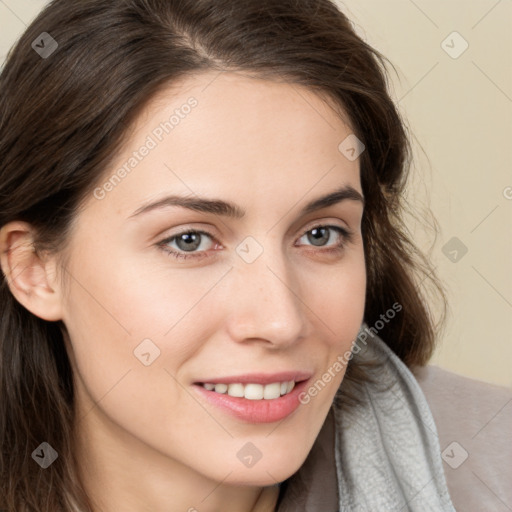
(346, 238)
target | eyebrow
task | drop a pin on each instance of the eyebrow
(227, 209)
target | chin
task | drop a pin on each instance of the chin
(261, 478)
(275, 469)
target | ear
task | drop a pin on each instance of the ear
(31, 278)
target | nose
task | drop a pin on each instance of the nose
(265, 302)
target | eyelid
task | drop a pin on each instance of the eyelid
(324, 222)
(306, 227)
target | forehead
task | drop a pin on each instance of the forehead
(241, 112)
(228, 133)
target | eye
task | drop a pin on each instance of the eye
(188, 242)
(321, 234)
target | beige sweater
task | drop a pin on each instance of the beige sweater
(474, 423)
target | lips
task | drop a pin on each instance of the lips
(255, 398)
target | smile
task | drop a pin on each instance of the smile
(255, 402)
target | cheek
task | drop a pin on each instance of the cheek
(119, 300)
(336, 309)
(336, 296)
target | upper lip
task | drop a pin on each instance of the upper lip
(259, 378)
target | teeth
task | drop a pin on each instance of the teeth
(253, 391)
(235, 390)
(272, 391)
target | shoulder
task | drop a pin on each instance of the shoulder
(474, 423)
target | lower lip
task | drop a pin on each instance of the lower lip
(255, 411)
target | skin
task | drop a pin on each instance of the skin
(143, 440)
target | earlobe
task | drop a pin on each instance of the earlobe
(31, 279)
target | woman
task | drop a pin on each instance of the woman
(203, 252)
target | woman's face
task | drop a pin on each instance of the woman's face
(260, 298)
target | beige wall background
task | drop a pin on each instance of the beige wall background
(454, 88)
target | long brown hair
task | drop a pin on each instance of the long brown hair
(64, 116)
